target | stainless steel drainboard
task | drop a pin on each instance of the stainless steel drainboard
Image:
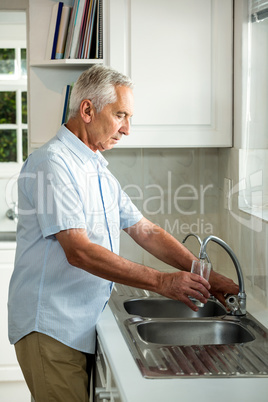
(169, 340)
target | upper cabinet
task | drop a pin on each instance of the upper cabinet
(179, 55)
(47, 78)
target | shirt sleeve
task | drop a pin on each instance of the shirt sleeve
(56, 198)
(129, 213)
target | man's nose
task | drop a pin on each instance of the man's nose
(125, 129)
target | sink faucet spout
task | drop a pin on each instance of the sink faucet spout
(227, 248)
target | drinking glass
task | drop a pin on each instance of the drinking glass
(203, 269)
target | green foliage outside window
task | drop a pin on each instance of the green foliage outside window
(24, 107)
(8, 147)
(24, 144)
(8, 107)
(7, 61)
(23, 56)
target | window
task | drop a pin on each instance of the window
(13, 88)
(253, 158)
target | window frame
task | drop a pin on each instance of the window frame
(16, 84)
(252, 170)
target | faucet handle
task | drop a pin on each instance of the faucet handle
(236, 304)
(232, 302)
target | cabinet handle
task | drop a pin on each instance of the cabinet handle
(104, 395)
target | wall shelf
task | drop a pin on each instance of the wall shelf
(65, 62)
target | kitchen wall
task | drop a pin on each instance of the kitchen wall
(182, 191)
(175, 188)
(247, 234)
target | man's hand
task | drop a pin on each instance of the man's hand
(220, 285)
(181, 285)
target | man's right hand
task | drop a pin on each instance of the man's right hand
(180, 285)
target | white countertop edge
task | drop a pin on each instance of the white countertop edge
(8, 245)
(11, 373)
(133, 387)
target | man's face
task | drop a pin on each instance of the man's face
(107, 127)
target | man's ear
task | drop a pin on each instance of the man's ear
(86, 110)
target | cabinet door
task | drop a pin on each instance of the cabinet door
(179, 55)
(12, 384)
(105, 386)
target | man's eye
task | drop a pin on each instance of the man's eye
(120, 116)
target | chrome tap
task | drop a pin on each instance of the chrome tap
(192, 234)
(236, 303)
(199, 241)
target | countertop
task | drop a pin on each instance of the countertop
(7, 245)
(133, 387)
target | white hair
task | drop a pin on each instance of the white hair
(97, 84)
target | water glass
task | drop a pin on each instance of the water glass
(203, 269)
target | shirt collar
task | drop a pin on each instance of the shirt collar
(76, 146)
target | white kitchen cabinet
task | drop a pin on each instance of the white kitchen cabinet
(47, 78)
(105, 386)
(12, 384)
(179, 54)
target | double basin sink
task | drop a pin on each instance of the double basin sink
(167, 339)
(188, 331)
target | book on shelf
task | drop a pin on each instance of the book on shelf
(80, 15)
(66, 101)
(100, 31)
(53, 30)
(63, 29)
(84, 39)
(70, 30)
(76, 32)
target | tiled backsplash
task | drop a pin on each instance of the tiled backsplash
(175, 188)
(182, 191)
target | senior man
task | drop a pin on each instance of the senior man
(71, 211)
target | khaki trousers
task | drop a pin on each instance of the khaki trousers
(53, 371)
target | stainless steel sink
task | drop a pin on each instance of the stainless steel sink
(155, 307)
(183, 333)
(168, 340)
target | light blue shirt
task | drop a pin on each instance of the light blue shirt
(63, 185)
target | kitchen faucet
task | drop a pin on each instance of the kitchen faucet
(199, 241)
(236, 303)
(194, 235)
